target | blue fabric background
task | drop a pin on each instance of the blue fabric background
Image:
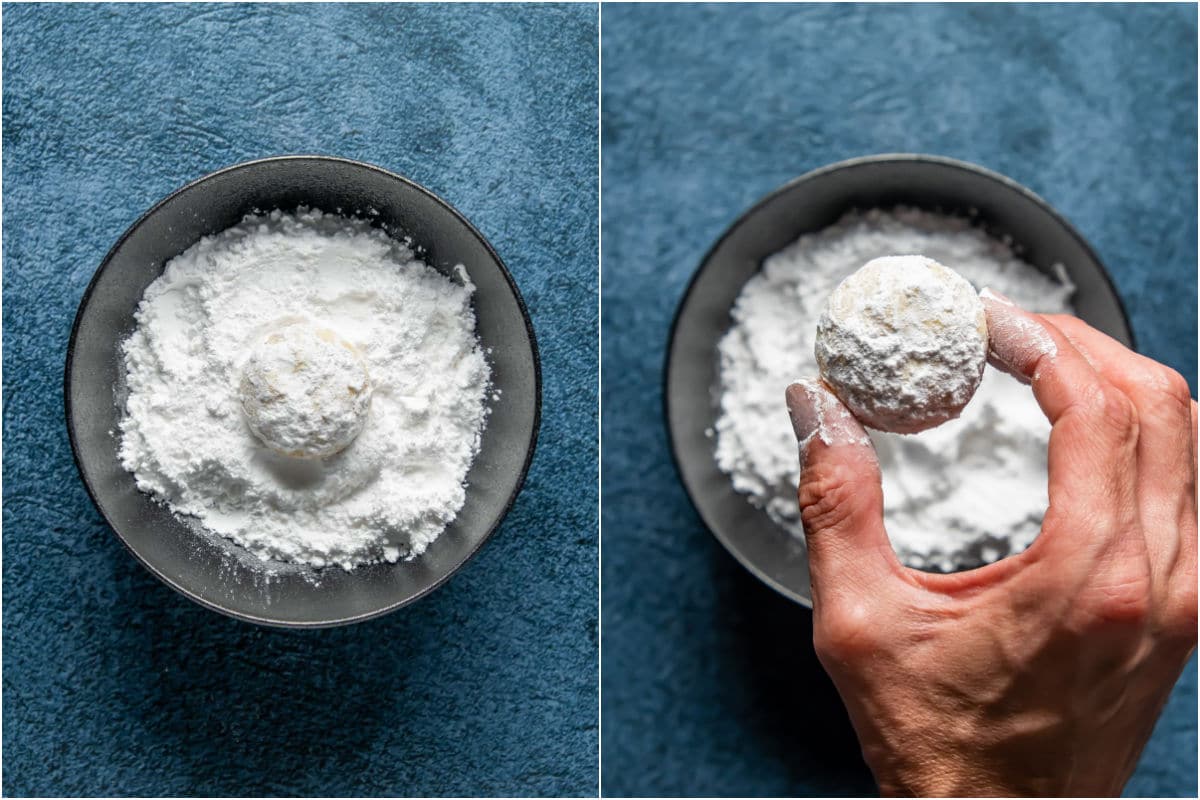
(114, 684)
(709, 683)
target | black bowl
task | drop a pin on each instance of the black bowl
(207, 568)
(811, 202)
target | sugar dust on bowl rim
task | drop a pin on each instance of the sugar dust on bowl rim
(775, 266)
(209, 567)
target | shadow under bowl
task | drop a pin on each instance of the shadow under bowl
(1002, 207)
(208, 568)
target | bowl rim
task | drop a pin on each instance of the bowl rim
(531, 447)
(849, 163)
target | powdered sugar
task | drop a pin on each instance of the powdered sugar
(965, 493)
(903, 342)
(1020, 339)
(390, 490)
(832, 423)
(305, 391)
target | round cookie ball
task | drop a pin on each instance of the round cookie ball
(305, 391)
(903, 343)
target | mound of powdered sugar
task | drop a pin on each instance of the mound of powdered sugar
(343, 300)
(305, 392)
(959, 495)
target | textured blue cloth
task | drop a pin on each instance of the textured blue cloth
(114, 684)
(709, 682)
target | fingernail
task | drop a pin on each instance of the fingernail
(803, 411)
(1016, 339)
(816, 412)
(988, 293)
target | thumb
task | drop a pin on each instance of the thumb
(841, 494)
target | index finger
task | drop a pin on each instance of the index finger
(1035, 352)
(1093, 439)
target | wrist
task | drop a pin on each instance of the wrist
(947, 776)
(970, 779)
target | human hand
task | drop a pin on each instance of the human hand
(1043, 673)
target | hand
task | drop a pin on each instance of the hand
(1042, 673)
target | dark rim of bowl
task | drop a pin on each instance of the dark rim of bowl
(537, 400)
(849, 163)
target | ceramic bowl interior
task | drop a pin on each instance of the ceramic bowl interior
(212, 570)
(808, 204)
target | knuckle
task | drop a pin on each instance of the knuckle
(1180, 619)
(826, 497)
(1165, 391)
(845, 632)
(1114, 409)
(1122, 599)
(1058, 518)
(1176, 386)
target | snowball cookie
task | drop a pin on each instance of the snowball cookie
(903, 342)
(305, 391)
